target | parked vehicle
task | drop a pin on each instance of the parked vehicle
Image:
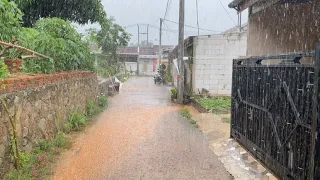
(158, 79)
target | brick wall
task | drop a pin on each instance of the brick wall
(212, 64)
(42, 104)
(19, 83)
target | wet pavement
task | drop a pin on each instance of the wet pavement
(235, 158)
(141, 136)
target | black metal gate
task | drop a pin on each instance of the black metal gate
(274, 112)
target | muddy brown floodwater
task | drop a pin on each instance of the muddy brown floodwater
(141, 136)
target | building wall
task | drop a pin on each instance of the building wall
(146, 67)
(212, 63)
(131, 66)
(284, 28)
(42, 104)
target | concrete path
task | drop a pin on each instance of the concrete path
(141, 136)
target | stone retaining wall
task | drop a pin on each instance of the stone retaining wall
(42, 104)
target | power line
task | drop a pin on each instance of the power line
(227, 12)
(156, 27)
(169, 29)
(193, 26)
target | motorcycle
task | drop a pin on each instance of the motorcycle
(158, 79)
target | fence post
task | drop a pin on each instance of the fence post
(314, 124)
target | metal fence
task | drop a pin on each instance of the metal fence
(275, 112)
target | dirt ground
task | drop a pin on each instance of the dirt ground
(141, 136)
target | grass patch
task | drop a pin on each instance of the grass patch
(38, 164)
(186, 113)
(226, 120)
(103, 101)
(219, 105)
(93, 109)
(76, 121)
(191, 121)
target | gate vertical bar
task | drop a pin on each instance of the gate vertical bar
(314, 124)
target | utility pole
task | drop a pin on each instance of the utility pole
(148, 34)
(160, 42)
(181, 53)
(138, 49)
(138, 35)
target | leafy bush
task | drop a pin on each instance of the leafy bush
(4, 72)
(219, 105)
(103, 101)
(185, 113)
(59, 40)
(45, 146)
(77, 120)
(92, 108)
(61, 141)
(10, 20)
(174, 93)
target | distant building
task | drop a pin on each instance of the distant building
(210, 60)
(144, 59)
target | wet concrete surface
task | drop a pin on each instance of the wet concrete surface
(141, 136)
(235, 158)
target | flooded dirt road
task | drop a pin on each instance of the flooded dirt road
(141, 136)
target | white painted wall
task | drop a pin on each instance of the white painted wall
(131, 66)
(212, 65)
(146, 67)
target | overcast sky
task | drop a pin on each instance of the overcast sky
(212, 16)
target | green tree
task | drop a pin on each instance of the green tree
(58, 39)
(80, 11)
(10, 18)
(109, 38)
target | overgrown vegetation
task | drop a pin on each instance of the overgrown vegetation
(103, 101)
(92, 108)
(80, 11)
(4, 72)
(218, 105)
(10, 18)
(168, 75)
(186, 113)
(54, 36)
(38, 163)
(174, 93)
(107, 68)
(76, 121)
(59, 40)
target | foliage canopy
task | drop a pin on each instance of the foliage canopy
(58, 39)
(10, 20)
(80, 11)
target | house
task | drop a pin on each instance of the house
(143, 60)
(210, 60)
(280, 26)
